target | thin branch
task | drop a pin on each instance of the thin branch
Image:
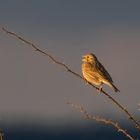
(30, 44)
(1, 135)
(101, 120)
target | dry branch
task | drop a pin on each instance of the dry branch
(1, 135)
(101, 120)
(30, 44)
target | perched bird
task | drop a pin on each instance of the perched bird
(95, 73)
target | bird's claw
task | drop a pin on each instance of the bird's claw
(100, 90)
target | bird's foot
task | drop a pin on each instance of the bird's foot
(86, 82)
(100, 89)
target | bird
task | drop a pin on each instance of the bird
(95, 73)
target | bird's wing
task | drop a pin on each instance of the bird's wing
(103, 72)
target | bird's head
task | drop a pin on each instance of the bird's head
(90, 58)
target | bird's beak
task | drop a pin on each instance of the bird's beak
(83, 58)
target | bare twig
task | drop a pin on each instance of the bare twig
(101, 120)
(1, 135)
(130, 116)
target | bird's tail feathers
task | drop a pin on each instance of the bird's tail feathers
(114, 87)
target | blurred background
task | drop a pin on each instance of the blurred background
(34, 91)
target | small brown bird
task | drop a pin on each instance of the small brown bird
(95, 73)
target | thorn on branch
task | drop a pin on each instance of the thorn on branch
(36, 49)
(68, 70)
(131, 118)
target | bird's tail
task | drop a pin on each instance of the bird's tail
(114, 87)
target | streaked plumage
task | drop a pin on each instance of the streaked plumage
(95, 73)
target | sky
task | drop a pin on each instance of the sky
(35, 90)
